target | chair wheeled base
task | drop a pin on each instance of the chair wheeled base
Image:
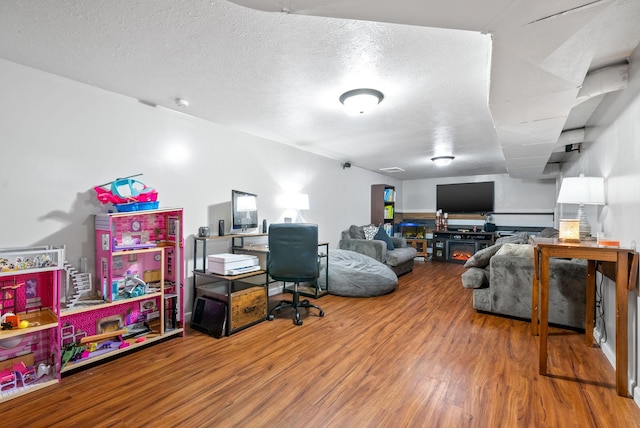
(296, 304)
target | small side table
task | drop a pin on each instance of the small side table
(626, 263)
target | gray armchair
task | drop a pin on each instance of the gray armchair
(399, 259)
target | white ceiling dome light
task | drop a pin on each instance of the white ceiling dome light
(360, 101)
(443, 160)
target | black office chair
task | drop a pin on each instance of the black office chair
(293, 257)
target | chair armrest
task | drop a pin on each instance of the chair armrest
(372, 248)
(511, 262)
(399, 242)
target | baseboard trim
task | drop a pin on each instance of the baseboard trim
(610, 352)
(275, 288)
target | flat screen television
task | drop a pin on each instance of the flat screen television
(465, 198)
(244, 212)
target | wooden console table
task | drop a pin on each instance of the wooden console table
(626, 267)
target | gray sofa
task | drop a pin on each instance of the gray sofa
(399, 259)
(502, 284)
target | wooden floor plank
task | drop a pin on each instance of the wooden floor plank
(420, 356)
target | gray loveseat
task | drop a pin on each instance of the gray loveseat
(399, 259)
(502, 284)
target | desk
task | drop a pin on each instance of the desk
(237, 241)
(238, 245)
(246, 302)
(626, 262)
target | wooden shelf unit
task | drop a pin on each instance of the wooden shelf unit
(421, 245)
(246, 303)
(244, 296)
(383, 197)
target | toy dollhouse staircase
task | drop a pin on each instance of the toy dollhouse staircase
(80, 282)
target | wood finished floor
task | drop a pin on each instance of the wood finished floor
(419, 357)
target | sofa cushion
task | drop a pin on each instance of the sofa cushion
(401, 255)
(548, 232)
(369, 231)
(516, 250)
(481, 258)
(398, 242)
(475, 277)
(356, 232)
(381, 235)
(518, 238)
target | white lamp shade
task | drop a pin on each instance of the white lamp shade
(299, 201)
(582, 190)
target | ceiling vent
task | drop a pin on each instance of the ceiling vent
(392, 169)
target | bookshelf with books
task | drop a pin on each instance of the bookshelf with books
(383, 197)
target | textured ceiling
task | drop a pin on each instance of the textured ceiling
(493, 83)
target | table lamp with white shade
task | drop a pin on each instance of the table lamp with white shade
(299, 202)
(582, 191)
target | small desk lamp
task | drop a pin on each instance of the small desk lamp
(246, 204)
(582, 191)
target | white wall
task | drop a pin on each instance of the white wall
(512, 195)
(61, 138)
(613, 151)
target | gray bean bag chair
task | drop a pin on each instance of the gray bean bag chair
(353, 274)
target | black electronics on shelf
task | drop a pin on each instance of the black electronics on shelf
(209, 316)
